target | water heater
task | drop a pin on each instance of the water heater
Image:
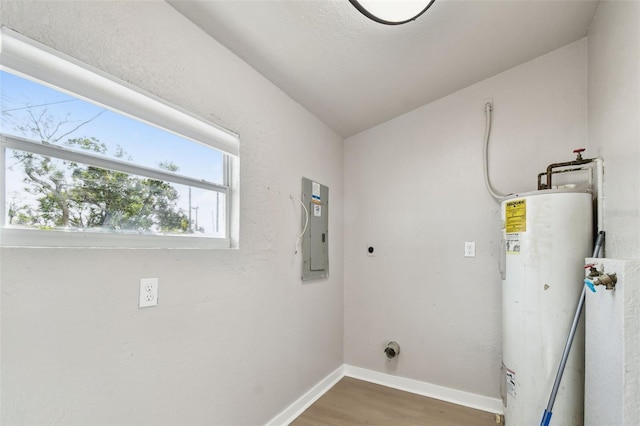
(546, 236)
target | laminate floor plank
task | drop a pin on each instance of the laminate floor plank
(356, 402)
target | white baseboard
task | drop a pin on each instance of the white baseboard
(294, 410)
(466, 399)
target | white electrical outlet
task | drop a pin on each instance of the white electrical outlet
(148, 292)
(469, 249)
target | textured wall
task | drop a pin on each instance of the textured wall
(612, 378)
(414, 189)
(614, 120)
(612, 361)
(237, 336)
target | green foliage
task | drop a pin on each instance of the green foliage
(76, 195)
(169, 166)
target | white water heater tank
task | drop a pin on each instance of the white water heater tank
(546, 237)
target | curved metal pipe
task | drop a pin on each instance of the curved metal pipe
(487, 133)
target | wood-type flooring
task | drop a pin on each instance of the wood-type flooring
(356, 402)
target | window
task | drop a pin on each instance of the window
(87, 160)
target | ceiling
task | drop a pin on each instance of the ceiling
(354, 73)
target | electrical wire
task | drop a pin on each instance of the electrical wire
(487, 133)
(306, 222)
(40, 105)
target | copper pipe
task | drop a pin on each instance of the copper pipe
(569, 163)
(544, 186)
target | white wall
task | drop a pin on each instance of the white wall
(237, 336)
(612, 361)
(612, 381)
(414, 190)
(614, 120)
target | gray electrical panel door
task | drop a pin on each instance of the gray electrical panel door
(315, 241)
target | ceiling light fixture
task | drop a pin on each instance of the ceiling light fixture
(392, 12)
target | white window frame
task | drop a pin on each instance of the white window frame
(29, 59)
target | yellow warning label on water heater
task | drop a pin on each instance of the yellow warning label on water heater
(515, 216)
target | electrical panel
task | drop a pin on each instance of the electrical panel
(315, 240)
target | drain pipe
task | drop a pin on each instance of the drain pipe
(600, 196)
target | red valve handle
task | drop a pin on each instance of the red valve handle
(578, 150)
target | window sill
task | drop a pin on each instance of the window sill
(33, 238)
